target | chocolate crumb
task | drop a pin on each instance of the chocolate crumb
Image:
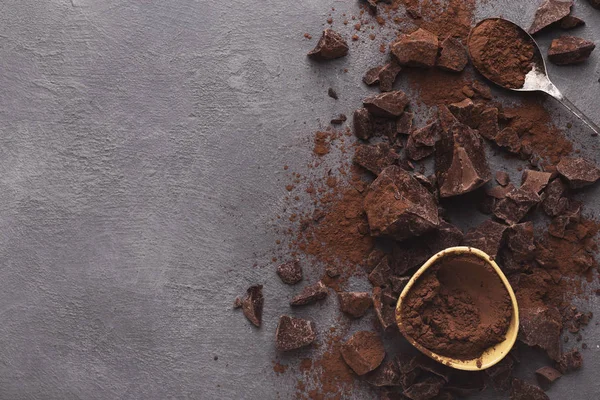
(570, 22)
(571, 361)
(502, 178)
(362, 124)
(375, 158)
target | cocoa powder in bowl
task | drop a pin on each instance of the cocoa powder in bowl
(458, 308)
(501, 52)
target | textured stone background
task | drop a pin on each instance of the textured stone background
(141, 154)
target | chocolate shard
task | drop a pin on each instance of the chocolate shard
(424, 363)
(404, 124)
(488, 123)
(578, 172)
(568, 50)
(463, 111)
(339, 119)
(332, 93)
(252, 304)
(482, 90)
(388, 74)
(397, 205)
(548, 13)
(509, 139)
(541, 327)
(570, 22)
(310, 294)
(554, 203)
(363, 352)
(535, 181)
(371, 77)
(571, 361)
(387, 374)
(460, 160)
(355, 304)
(362, 124)
(330, 46)
(384, 127)
(375, 158)
(387, 105)
(502, 178)
(453, 55)
(500, 192)
(547, 375)
(421, 142)
(418, 49)
(380, 274)
(398, 283)
(516, 205)
(565, 226)
(522, 390)
(501, 374)
(290, 272)
(386, 313)
(444, 236)
(294, 333)
(426, 389)
(463, 383)
(237, 303)
(409, 254)
(488, 237)
(520, 247)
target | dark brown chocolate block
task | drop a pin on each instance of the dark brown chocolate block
(421, 141)
(310, 294)
(488, 237)
(355, 303)
(570, 22)
(375, 158)
(252, 304)
(516, 205)
(453, 55)
(547, 375)
(549, 12)
(363, 352)
(388, 74)
(541, 327)
(554, 203)
(362, 124)
(293, 333)
(388, 104)
(570, 50)
(331, 45)
(418, 49)
(522, 390)
(578, 171)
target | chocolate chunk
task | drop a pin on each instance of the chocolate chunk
(380, 274)
(375, 158)
(444, 236)
(386, 375)
(541, 327)
(516, 205)
(332, 93)
(547, 375)
(391, 395)
(522, 390)
(553, 201)
(462, 111)
(397, 205)
(595, 3)
(404, 124)
(501, 374)
(409, 254)
(502, 178)
(339, 119)
(418, 49)
(386, 313)
(310, 294)
(509, 139)
(571, 361)
(427, 389)
(487, 237)
(363, 352)
(421, 141)
(500, 192)
(290, 272)
(371, 77)
(384, 127)
(535, 181)
(398, 283)
(466, 383)
(293, 333)
(355, 303)
(362, 124)
(548, 13)
(568, 50)
(374, 258)
(578, 172)
(453, 55)
(565, 226)
(520, 247)
(388, 74)
(252, 305)
(570, 22)
(388, 104)
(424, 363)
(488, 123)
(330, 46)
(482, 90)
(461, 164)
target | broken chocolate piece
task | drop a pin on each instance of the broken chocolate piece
(453, 55)
(502, 178)
(363, 352)
(355, 303)
(375, 158)
(237, 303)
(487, 237)
(461, 164)
(380, 274)
(571, 361)
(553, 201)
(508, 139)
(547, 375)
(541, 327)
(570, 22)
(384, 127)
(568, 50)
(482, 90)
(388, 74)
(421, 142)
(398, 283)
(424, 363)
(386, 313)
(522, 390)
(290, 272)
(463, 111)
(444, 236)
(404, 124)
(371, 77)
(374, 259)
(578, 172)
(500, 192)
(595, 3)
(388, 104)
(488, 123)
(535, 181)
(501, 374)
(397, 205)
(426, 389)
(418, 49)
(548, 13)
(293, 333)
(520, 246)
(386, 375)
(332, 93)
(331, 45)
(409, 254)
(310, 294)
(252, 305)
(362, 124)
(339, 119)
(516, 205)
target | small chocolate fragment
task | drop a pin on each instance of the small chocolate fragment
(362, 124)
(502, 178)
(398, 283)
(547, 375)
(397, 205)
(384, 127)
(380, 274)
(553, 201)
(568, 50)
(516, 205)
(482, 90)
(522, 390)
(508, 139)
(237, 303)
(363, 352)
(500, 192)
(293, 333)
(387, 105)
(339, 119)
(501, 374)
(355, 303)
(426, 389)
(404, 124)
(310, 294)
(421, 142)
(541, 327)
(571, 361)
(409, 254)
(385, 312)
(487, 237)
(375, 158)
(423, 363)
(453, 56)
(374, 259)
(333, 271)
(535, 181)
(332, 93)
(330, 46)
(595, 3)
(463, 111)
(252, 305)
(548, 13)
(388, 74)
(488, 123)
(290, 272)
(570, 22)
(520, 246)
(444, 236)
(387, 374)
(371, 77)
(578, 172)
(418, 49)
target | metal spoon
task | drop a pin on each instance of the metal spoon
(537, 79)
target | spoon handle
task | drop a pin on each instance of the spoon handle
(576, 111)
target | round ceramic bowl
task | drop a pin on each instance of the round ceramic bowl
(493, 354)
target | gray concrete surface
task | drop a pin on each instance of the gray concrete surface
(141, 154)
